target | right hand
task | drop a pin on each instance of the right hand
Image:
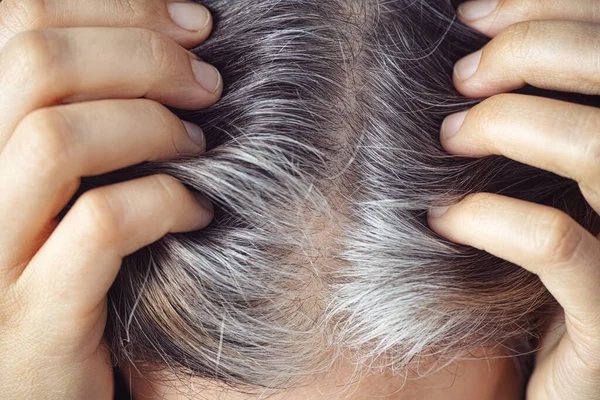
(71, 106)
(551, 45)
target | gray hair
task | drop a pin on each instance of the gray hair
(323, 160)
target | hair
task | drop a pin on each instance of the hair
(323, 159)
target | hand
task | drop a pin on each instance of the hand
(550, 53)
(71, 106)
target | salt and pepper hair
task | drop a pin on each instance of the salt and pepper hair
(323, 158)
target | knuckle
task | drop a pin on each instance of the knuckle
(136, 10)
(557, 237)
(31, 56)
(43, 139)
(157, 49)
(20, 15)
(96, 215)
(517, 39)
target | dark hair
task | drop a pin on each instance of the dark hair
(323, 158)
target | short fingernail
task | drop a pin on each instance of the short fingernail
(189, 16)
(437, 212)
(196, 135)
(206, 75)
(452, 124)
(204, 201)
(466, 67)
(477, 9)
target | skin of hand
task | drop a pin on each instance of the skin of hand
(550, 44)
(83, 83)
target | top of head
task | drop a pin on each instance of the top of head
(323, 160)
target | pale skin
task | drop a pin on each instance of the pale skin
(84, 84)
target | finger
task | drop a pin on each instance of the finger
(543, 240)
(553, 55)
(490, 17)
(42, 68)
(78, 263)
(53, 147)
(570, 371)
(188, 23)
(553, 135)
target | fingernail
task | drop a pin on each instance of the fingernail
(472, 10)
(189, 16)
(204, 201)
(206, 75)
(452, 124)
(466, 67)
(196, 134)
(437, 212)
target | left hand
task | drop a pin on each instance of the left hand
(555, 45)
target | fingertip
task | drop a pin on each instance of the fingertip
(452, 221)
(468, 76)
(189, 16)
(437, 212)
(483, 83)
(467, 66)
(436, 220)
(206, 87)
(452, 125)
(204, 202)
(484, 16)
(208, 77)
(476, 10)
(207, 213)
(193, 23)
(197, 143)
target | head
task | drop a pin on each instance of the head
(323, 158)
